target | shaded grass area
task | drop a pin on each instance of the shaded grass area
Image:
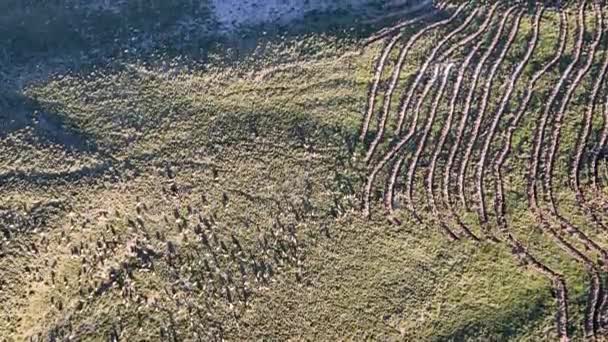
(34, 29)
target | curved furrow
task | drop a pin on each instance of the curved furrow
(373, 91)
(397, 71)
(561, 297)
(463, 120)
(389, 194)
(602, 309)
(556, 134)
(391, 181)
(411, 172)
(540, 133)
(590, 324)
(591, 310)
(594, 296)
(534, 159)
(539, 213)
(475, 35)
(388, 199)
(385, 32)
(482, 109)
(591, 313)
(539, 139)
(557, 280)
(442, 139)
(499, 113)
(499, 200)
(405, 103)
(379, 68)
(601, 146)
(500, 161)
(583, 140)
(393, 151)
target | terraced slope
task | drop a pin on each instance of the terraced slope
(503, 100)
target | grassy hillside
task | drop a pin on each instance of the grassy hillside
(211, 188)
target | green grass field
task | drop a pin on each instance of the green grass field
(211, 189)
